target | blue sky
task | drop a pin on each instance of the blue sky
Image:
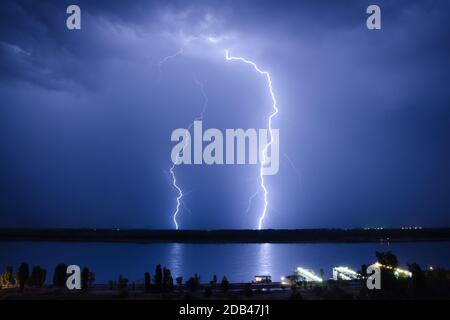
(86, 115)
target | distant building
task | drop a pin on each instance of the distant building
(307, 275)
(262, 279)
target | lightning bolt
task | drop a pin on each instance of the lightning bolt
(269, 127)
(165, 59)
(250, 200)
(177, 187)
(179, 199)
(179, 196)
(172, 168)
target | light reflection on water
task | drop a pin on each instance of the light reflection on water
(239, 262)
(265, 259)
(176, 259)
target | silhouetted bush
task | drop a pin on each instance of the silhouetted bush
(167, 280)
(158, 278)
(60, 275)
(122, 283)
(387, 259)
(208, 291)
(418, 281)
(247, 291)
(225, 284)
(213, 281)
(193, 283)
(37, 278)
(22, 275)
(84, 278)
(147, 280)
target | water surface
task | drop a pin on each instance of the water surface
(239, 262)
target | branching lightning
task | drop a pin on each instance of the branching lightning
(176, 54)
(175, 184)
(250, 199)
(179, 196)
(179, 199)
(167, 58)
(269, 127)
(264, 157)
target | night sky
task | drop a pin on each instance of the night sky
(86, 115)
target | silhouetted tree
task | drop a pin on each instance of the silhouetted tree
(158, 277)
(213, 280)
(179, 280)
(322, 273)
(193, 283)
(7, 278)
(147, 281)
(225, 284)
(167, 280)
(22, 275)
(438, 284)
(392, 288)
(418, 281)
(364, 270)
(84, 278)
(122, 283)
(37, 277)
(387, 259)
(60, 275)
(91, 279)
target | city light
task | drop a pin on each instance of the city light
(397, 271)
(308, 275)
(344, 273)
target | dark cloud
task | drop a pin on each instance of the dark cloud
(86, 115)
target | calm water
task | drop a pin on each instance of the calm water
(239, 262)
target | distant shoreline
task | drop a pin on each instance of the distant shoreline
(227, 236)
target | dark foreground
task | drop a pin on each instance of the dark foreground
(236, 291)
(227, 236)
(410, 289)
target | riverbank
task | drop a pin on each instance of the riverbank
(228, 236)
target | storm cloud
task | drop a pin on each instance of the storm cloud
(86, 115)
